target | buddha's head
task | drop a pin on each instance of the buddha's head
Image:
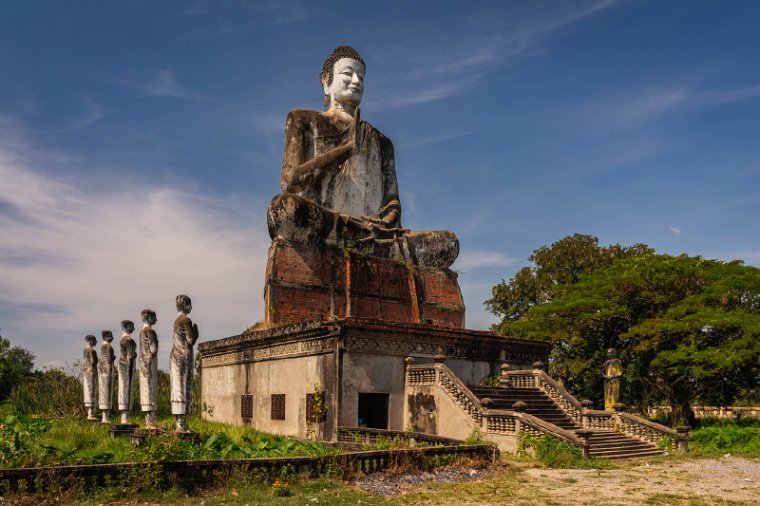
(90, 339)
(611, 353)
(149, 316)
(184, 304)
(342, 77)
(107, 336)
(127, 326)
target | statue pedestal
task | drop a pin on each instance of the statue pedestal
(305, 283)
(122, 429)
(140, 435)
(189, 436)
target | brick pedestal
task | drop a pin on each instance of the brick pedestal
(308, 283)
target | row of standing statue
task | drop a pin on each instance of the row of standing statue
(98, 375)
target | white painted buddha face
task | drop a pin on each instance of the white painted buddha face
(347, 85)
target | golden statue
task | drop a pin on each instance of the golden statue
(613, 370)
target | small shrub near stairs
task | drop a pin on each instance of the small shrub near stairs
(553, 452)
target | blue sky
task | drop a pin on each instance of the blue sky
(141, 141)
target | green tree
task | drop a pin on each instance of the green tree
(562, 263)
(688, 328)
(16, 363)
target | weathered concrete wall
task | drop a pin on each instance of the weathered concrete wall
(221, 388)
(448, 417)
(365, 373)
(295, 377)
(471, 372)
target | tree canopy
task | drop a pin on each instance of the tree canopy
(562, 263)
(15, 364)
(688, 328)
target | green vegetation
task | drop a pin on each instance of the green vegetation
(28, 442)
(15, 364)
(719, 436)
(49, 393)
(687, 327)
(490, 381)
(555, 453)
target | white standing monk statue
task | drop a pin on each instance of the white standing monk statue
(148, 367)
(127, 355)
(339, 178)
(90, 377)
(182, 363)
(105, 380)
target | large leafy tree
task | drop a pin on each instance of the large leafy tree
(560, 264)
(15, 364)
(688, 328)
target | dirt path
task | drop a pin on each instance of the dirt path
(704, 481)
(692, 482)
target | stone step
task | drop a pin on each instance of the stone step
(620, 445)
(506, 391)
(626, 454)
(603, 444)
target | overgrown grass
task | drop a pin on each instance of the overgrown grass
(241, 489)
(725, 437)
(26, 442)
(555, 453)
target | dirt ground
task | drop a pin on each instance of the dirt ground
(728, 480)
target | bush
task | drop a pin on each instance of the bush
(490, 381)
(554, 452)
(739, 421)
(725, 438)
(18, 435)
(51, 393)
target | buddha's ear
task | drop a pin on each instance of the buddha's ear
(325, 86)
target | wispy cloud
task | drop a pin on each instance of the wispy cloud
(495, 37)
(93, 112)
(628, 109)
(163, 83)
(477, 259)
(674, 230)
(416, 142)
(222, 17)
(76, 259)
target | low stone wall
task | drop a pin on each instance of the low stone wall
(712, 411)
(189, 474)
(361, 436)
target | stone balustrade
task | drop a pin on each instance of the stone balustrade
(503, 422)
(594, 419)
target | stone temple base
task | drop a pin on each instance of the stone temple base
(269, 378)
(304, 283)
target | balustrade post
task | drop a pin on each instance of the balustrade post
(683, 437)
(504, 376)
(537, 366)
(408, 362)
(439, 358)
(519, 407)
(586, 405)
(585, 435)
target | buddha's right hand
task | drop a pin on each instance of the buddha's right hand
(357, 132)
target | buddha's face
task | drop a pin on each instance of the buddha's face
(129, 328)
(151, 319)
(348, 82)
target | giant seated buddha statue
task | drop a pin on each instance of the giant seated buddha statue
(339, 182)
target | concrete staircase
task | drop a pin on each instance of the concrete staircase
(604, 444)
